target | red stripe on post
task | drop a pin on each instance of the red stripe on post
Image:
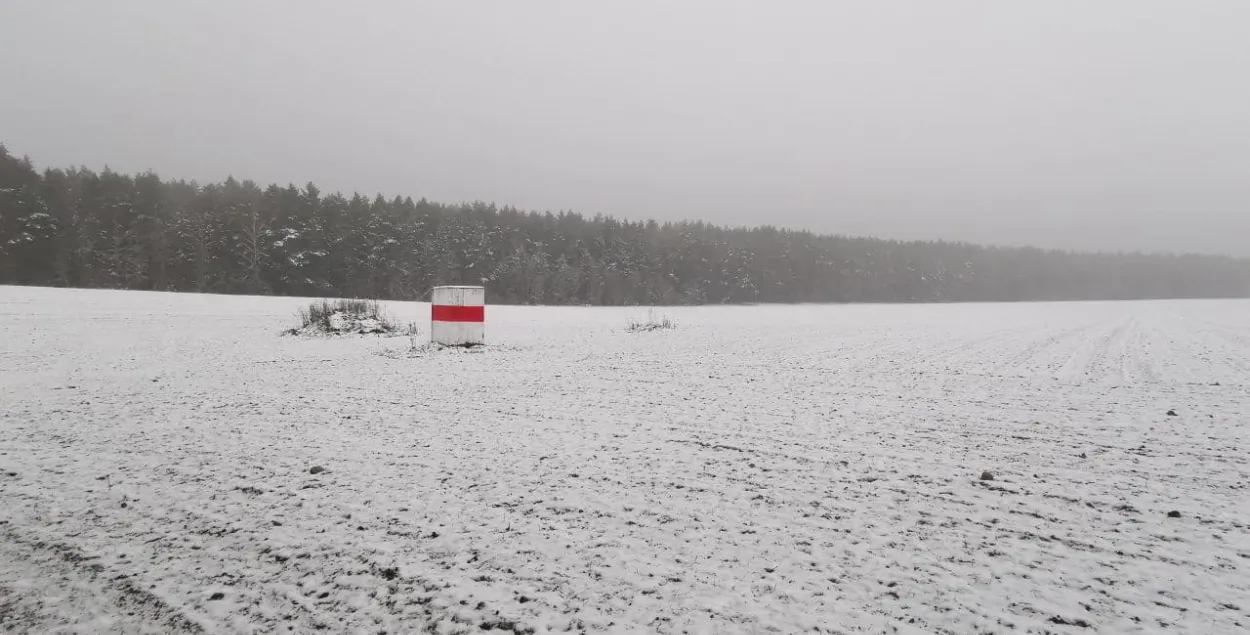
(450, 313)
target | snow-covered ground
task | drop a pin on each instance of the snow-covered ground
(757, 469)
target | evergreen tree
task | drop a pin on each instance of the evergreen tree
(78, 228)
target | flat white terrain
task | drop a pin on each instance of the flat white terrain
(757, 469)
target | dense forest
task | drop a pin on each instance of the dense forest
(77, 228)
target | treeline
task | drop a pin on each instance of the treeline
(79, 228)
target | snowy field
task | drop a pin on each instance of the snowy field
(778, 469)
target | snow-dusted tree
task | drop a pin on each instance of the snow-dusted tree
(75, 227)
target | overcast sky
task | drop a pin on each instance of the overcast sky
(1116, 124)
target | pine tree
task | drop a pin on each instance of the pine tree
(78, 228)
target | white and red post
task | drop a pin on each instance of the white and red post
(458, 316)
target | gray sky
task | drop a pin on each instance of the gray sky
(1116, 124)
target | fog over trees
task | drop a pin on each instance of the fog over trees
(78, 228)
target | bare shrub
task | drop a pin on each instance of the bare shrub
(412, 331)
(652, 323)
(344, 316)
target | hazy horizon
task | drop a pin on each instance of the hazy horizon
(1123, 126)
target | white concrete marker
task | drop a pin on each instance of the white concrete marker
(458, 316)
